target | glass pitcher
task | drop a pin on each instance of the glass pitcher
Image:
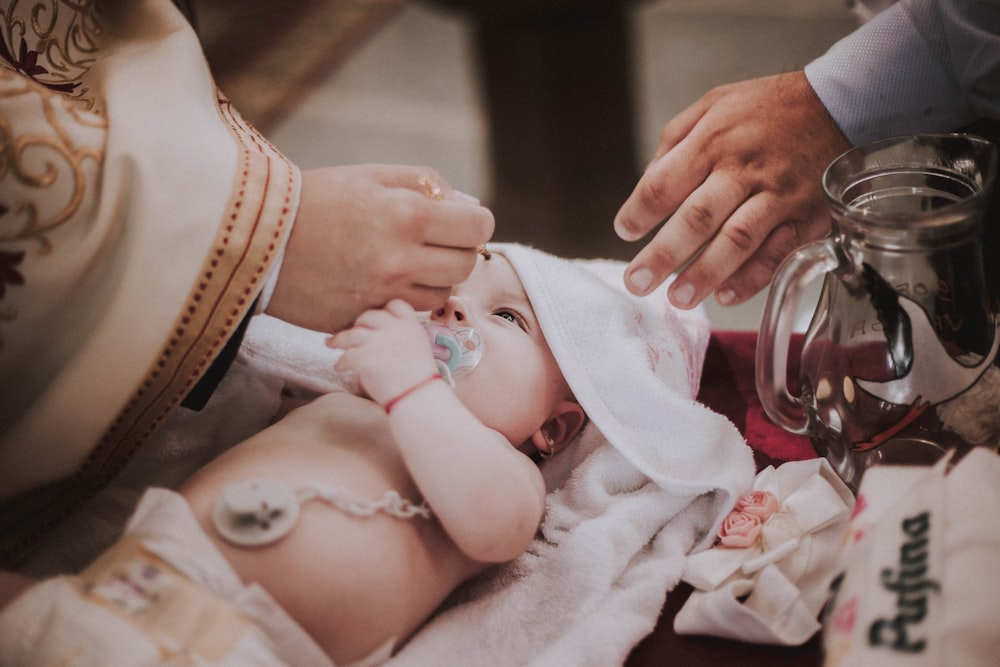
(897, 364)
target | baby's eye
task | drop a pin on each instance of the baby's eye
(511, 316)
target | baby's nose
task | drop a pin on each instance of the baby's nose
(453, 309)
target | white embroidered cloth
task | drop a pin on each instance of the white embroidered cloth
(916, 581)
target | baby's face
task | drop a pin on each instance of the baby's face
(517, 382)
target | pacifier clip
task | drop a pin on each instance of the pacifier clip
(258, 512)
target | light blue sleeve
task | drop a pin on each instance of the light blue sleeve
(918, 66)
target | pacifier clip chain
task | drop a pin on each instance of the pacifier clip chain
(390, 503)
(258, 512)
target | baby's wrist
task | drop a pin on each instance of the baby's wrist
(409, 391)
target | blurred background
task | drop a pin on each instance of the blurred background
(547, 110)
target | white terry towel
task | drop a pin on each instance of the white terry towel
(634, 364)
(648, 480)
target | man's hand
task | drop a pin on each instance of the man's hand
(738, 175)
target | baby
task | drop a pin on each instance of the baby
(356, 514)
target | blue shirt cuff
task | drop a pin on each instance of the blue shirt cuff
(885, 79)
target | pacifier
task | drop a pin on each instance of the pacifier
(456, 350)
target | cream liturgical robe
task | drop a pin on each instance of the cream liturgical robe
(139, 216)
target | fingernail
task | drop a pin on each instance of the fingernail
(725, 297)
(682, 295)
(641, 279)
(624, 233)
(461, 196)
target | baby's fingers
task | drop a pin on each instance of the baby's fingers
(346, 339)
(400, 308)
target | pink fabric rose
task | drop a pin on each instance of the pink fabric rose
(761, 504)
(846, 617)
(739, 530)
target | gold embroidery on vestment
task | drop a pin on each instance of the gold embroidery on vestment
(19, 158)
(62, 33)
(52, 45)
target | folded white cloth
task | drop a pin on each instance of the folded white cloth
(298, 357)
(917, 581)
(767, 579)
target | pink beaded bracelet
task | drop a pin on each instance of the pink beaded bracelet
(390, 404)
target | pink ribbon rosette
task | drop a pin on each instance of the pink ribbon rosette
(767, 577)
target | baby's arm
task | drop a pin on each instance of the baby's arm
(487, 495)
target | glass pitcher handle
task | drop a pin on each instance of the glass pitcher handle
(795, 273)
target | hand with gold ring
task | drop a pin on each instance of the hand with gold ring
(432, 189)
(366, 234)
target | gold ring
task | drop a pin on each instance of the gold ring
(431, 189)
(481, 249)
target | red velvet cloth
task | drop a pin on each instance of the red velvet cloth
(728, 387)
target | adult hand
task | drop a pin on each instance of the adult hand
(366, 234)
(738, 174)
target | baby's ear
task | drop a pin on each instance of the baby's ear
(566, 421)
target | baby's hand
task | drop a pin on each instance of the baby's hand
(387, 349)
